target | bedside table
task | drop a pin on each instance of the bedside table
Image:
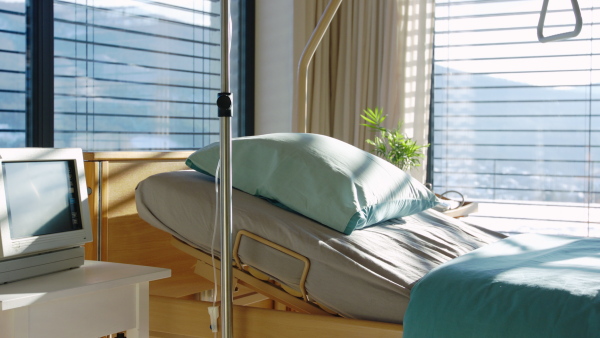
(97, 299)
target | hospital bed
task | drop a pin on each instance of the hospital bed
(298, 262)
(368, 276)
(309, 267)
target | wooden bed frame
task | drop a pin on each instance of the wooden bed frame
(176, 308)
(170, 316)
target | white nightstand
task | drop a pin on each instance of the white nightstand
(97, 299)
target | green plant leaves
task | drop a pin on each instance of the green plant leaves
(374, 118)
(391, 144)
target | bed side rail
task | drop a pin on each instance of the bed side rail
(264, 287)
(279, 248)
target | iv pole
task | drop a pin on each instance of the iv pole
(224, 103)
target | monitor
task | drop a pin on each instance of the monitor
(44, 213)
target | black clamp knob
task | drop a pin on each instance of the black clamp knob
(224, 104)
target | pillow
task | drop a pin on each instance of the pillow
(330, 181)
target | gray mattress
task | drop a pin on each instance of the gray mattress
(365, 275)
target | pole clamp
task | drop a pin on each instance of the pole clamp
(224, 103)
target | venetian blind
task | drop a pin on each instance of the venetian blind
(516, 122)
(136, 74)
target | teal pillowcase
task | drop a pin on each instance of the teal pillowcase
(327, 180)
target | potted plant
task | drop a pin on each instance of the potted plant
(391, 144)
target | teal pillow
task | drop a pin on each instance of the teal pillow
(330, 181)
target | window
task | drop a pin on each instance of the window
(515, 121)
(127, 75)
(13, 70)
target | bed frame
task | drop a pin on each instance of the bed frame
(171, 317)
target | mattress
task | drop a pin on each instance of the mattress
(366, 275)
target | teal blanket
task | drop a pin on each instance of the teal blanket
(522, 286)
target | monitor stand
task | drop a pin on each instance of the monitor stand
(40, 264)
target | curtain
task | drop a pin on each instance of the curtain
(377, 53)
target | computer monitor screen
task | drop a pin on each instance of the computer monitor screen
(41, 198)
(43, 201)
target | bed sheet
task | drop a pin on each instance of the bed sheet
(366, 275)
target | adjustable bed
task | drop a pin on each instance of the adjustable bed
(367, 275)
(290, 235)
(412, 270)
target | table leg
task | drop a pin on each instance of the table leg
(142, 329)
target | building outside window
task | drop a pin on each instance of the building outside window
(127, 75)
(515, 121)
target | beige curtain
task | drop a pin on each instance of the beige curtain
(377, 53)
